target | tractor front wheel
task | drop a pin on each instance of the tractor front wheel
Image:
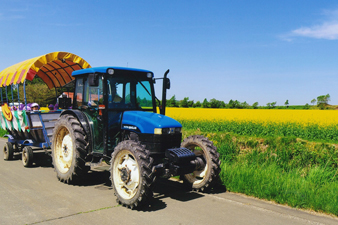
(131, 174)
(69, 149)
(202, 179)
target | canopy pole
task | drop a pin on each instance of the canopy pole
(12, 94)
(6, 96)
(2, 102)
(18, 90)
(24, 93)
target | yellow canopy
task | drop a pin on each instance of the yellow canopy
(55, 69)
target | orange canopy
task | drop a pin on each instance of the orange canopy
(55, 69)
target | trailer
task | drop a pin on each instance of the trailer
(31, 131)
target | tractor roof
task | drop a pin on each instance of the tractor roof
(105, 68)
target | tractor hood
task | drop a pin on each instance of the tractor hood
(146, 122)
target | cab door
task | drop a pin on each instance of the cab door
(89, 99)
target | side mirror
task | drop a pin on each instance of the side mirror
(167, 83)
(93, 80)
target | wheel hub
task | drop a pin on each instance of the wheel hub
(125, 174)
(65, 150)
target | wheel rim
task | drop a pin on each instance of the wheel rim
(198, 176)
(24, 156)
(64, 150)
(5, 152)
(126, 174)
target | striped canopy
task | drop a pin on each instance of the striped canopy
(55, 69)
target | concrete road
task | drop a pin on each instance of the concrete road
(35, 196)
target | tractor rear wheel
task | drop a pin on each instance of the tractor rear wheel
(69, 149)
(27, 156)
(131, 174)
(8, 151)
(202, 179)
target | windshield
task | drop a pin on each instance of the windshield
(129, 94)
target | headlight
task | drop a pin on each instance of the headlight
(110, 71)
(158, 131)
(150, 75)
(178, 129)
(167, 130)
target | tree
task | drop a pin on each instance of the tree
(39, 93)
(255, 105)
(197, 104)
(205, 103)
(313, 101)
(234, 104)
(214, 103)
(323, 100)
(271, 105)
(222, 104)
(244, 105)
(172, 102)
(184, 102)
(286, 103)
(191, 103)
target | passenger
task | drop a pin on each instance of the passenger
(35, 107)
(21, 106)
(56, 107)
(51, 107)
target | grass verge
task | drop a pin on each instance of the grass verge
(287, 170)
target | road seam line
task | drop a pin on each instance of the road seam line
(79, 213)
(266, 210)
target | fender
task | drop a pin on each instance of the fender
(85, 123)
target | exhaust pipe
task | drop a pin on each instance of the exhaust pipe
(166, 85)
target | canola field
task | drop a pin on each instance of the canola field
(317, 125)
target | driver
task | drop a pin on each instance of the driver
(117, 98)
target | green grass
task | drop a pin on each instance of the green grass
(286, 170)
(3, 132)
(314, 191)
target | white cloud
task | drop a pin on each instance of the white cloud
(326, 30)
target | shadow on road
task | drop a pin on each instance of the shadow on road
(40, 159)
(164, 188)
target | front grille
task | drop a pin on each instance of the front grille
(158, 143)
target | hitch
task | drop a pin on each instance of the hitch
(180, 155)
(179, 161)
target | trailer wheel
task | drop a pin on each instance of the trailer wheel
(69, 149)
(27, 156)
(204, 178)
(8, 151)
(131, 174)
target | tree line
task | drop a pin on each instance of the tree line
(322, 103)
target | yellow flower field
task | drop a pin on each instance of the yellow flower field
(305, 117)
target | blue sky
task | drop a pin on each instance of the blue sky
(254, 51)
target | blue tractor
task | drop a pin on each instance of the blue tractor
(114, 117)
